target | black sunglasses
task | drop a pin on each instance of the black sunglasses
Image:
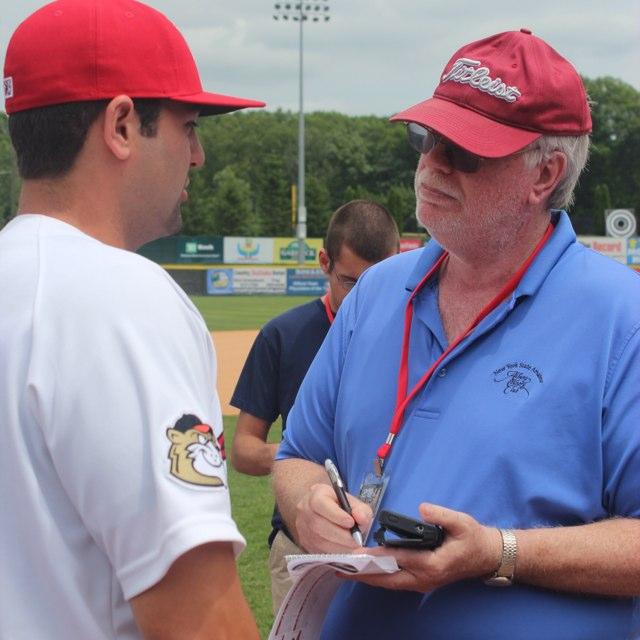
(423, 140)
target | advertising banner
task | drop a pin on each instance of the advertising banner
(306, 282)
(409, 243)
(199, 249)
(219, 282)
(615, 248)
(248, 250)
(285, 250)
(633, 251)
(248, 281)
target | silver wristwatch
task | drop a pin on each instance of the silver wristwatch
(503, 577)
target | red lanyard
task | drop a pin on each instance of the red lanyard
(402, 399)
(327, 308)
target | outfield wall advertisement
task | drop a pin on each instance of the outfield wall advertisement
(409, 243)
(237, 250)
(306, 282)
(633, 252)
(247, 281)
(219, 282)
(263, 280)
(615, 248)
(199, 249)
(248, 250)
(285, 250)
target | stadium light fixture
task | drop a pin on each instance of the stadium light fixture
(301, 12)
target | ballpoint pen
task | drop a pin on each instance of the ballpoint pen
(341, 494)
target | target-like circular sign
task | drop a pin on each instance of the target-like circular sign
(621, 223)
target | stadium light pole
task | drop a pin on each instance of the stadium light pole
(301, 12)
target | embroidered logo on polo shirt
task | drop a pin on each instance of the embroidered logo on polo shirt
(468, 71)
(195, 453)
(517, 378)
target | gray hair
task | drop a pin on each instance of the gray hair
(575, 149)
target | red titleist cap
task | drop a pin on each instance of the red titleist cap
(499, 94)
(76, 50)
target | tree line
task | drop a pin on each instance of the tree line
(245, 186)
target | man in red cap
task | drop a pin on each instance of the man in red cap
(117, 519)
(488, 384)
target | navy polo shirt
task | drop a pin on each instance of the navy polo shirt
(276, 366)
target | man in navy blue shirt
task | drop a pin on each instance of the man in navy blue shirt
(360, 233)
(491, 380)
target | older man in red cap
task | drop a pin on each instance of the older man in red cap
(114, 491)
(488, 383)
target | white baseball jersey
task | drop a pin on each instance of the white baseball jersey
(111, 459)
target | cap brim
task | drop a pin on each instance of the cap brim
(467, 128)
(215, 103)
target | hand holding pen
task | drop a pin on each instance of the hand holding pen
(341, 494)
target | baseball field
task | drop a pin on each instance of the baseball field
(234, 322)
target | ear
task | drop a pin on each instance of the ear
(323, 259)
(175, 436)
(550, 172)
(120, 124)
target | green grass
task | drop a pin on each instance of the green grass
(231, 313)
(251, 497)
(251, 505)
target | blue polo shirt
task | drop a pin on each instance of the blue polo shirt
(532, 421)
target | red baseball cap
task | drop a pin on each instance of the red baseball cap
(76, 50)
(499, 94)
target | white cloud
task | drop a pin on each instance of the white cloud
(378, 56)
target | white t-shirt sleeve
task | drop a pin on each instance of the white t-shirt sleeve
(123, 385)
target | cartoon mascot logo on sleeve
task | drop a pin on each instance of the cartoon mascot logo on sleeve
(196, 456)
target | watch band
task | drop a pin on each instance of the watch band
(503, 577)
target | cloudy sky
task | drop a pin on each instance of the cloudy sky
(377, 56)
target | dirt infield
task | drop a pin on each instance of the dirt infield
(232, 348)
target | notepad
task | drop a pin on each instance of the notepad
(315, 582)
